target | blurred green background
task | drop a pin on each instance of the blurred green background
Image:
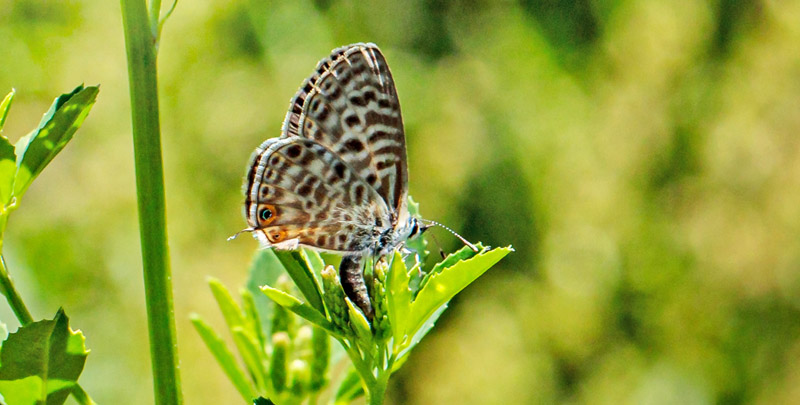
(641, 156)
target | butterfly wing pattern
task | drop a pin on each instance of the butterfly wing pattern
(337, 178)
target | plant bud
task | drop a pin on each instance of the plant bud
(321, 352)
(299, 372)
(334, 299)
(279, 360)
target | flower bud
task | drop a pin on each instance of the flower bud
(320, 358)
(381, 320)
(279, 360)
(299, 373)
(334, 299)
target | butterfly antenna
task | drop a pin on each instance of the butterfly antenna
(461, 238)
(232, 237)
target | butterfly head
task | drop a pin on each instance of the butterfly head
(417, 228)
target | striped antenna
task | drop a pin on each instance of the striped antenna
(461, 238)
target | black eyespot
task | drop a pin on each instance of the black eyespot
(293, 151)
(265, 214)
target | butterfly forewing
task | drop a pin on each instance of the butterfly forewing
(350, 106)
(301, 193)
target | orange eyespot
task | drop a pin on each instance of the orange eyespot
(266, 214)
(276, 236)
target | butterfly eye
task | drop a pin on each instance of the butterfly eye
(265, 214)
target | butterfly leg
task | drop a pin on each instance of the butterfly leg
(351, 274)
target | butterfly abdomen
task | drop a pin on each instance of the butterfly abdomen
(351, 276)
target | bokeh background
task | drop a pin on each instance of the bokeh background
(641, 156)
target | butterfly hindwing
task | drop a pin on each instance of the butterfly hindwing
(300, 193)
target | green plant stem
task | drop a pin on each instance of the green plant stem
(140, 45)
(377, 391)
(7, 285)
(374, 388)
(155, 14)
(12, 295)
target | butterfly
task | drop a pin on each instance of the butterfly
(336, 179)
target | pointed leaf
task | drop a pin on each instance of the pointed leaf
(314, 260)
(8, 168)
(462, 254)
(251, 315)
(8, 159)
(300, 272)
(58, 125)
(406, 347)
(298, 307)
(252, 355)
(230, 309)
(398, 297)
(46, 350)
(265, 269)
(359, 322)
(224, 358)
(4, 107)
(446, 284)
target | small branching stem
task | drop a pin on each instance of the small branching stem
(21, 310)
(12, 295)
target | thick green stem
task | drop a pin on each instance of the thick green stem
(140, 45)
(363, 369)
(377, 391)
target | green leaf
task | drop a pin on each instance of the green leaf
(446, 284)
(426, 327)
(300, 272)
(26, 390)
(38, 148)
(398, 297)
(314, 260)
(8, 159)
(252, 355)
(359, 323)
(265, 269)
(44, 353)
(462, 254)
(230, 309)
(251, 315)
(298, 307)
(350, 388)
(224, 358)
(5, 106)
